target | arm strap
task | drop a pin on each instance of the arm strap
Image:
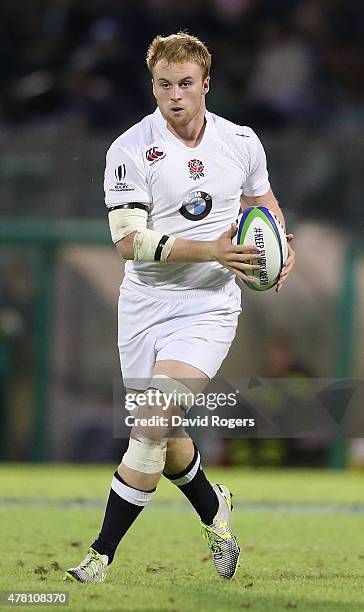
(148, 245)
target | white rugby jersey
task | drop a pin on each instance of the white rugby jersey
(192, 193)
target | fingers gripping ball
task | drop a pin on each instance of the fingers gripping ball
(259, 226)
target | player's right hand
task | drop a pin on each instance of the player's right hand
(236, 257)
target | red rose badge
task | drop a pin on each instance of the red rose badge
(196, 168)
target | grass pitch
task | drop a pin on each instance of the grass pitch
(301, 534)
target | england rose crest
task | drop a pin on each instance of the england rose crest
(196, 168)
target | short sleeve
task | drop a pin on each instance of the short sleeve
(125, 179)
(257, 182)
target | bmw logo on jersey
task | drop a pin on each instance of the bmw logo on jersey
(196, 205)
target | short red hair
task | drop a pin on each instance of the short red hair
(177, 49)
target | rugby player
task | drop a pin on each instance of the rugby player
(173, 185)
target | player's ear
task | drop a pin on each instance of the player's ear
(153, 88)
(206, 85)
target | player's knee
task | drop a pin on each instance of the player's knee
(145, 455)
(158, 415)
(174, 391)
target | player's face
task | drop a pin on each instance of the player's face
(180, 91)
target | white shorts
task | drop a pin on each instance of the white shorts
(196, 327)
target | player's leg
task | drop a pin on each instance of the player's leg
(215, 518)
(132, 487)
(183, 468)
(127, 497)
(134, 482)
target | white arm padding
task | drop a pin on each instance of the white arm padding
(124, 221)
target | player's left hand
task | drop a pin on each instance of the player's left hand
(288, 265)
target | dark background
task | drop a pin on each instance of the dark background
(72, 78)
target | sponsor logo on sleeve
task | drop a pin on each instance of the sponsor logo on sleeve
(196, 169)
(120, 175)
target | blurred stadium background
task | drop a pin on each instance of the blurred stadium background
(73, 77)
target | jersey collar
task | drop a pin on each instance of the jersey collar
(162, 124)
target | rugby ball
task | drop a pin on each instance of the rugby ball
(259, 226)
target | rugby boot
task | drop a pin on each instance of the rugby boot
(92, 569)
(223, 546)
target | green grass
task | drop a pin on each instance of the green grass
(291, 559)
